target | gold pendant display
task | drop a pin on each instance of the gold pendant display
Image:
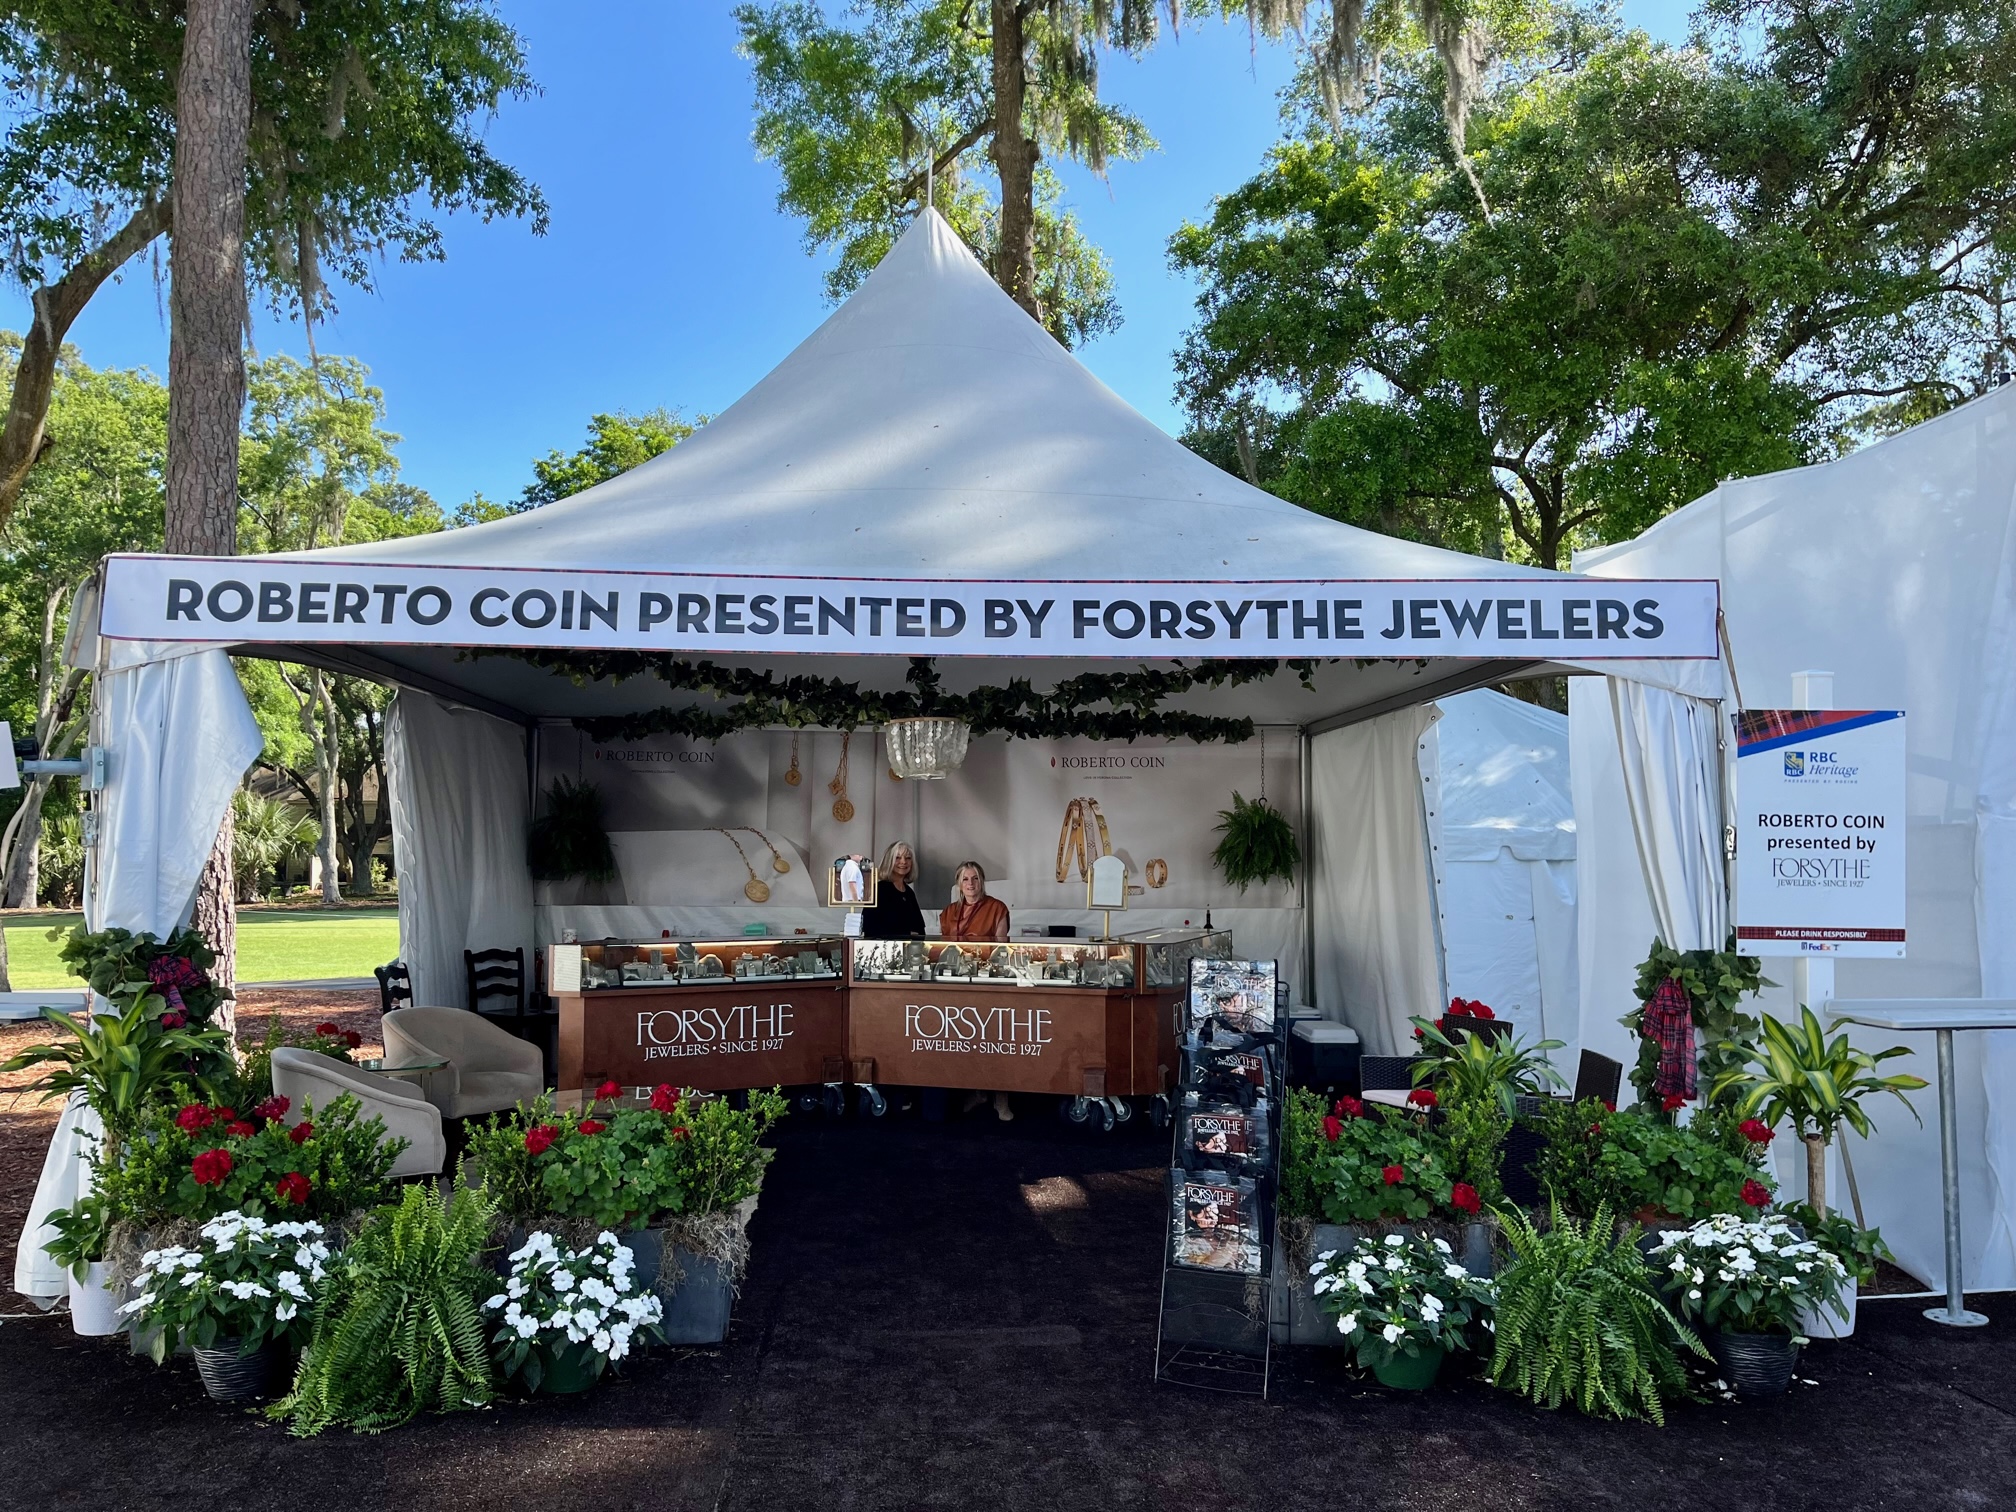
(843, 810)
(793, 777)
(843, 807)
(756, 890)
(1158, 872)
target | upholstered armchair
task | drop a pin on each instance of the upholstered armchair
(489, 1069)
(310, 1080)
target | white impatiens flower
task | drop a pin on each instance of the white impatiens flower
(1455, 1272)
(1348, 1322)
(1391, 1333)
(1396, 1239)
(1442, 1245)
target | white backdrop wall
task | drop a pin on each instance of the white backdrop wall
(1895, 569)
(461, 808)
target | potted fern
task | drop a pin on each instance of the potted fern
(569, 839)
(1579, 1321)
(1259, 843)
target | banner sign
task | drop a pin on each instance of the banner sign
(296, 600)
(1820, 832)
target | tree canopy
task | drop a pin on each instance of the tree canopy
(1698, 262)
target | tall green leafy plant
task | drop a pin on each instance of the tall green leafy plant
(1472, 1066)
(122, 1065)
(1798, 1076)
(398, 1329)
(1717, 982)
(569, 839)
(1579, 1322)
(1259, 843)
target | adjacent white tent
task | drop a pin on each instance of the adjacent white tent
(928, 435)
(1895, 569)
(1501, 837)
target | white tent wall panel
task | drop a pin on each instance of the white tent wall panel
(1895, 569)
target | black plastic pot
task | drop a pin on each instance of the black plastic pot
(697, 1311)
(1758, 1365)
(230, 1376)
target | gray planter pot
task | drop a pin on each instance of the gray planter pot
(698, 1309)
(233, 1377)
(1298, 1317)
(1757, 1365)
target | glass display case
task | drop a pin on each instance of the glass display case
(1054, 963)
(1166, 954)
(678, 963)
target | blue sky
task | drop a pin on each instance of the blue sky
(669, 276)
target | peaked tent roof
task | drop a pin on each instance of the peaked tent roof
(927, 429)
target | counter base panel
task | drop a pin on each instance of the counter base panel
(725, 1039)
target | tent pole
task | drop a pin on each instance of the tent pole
(1303, 751)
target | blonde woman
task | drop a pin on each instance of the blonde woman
(896, 915)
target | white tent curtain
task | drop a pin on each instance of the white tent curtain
(461, 812)
(181, 737)
(1670, 753)
(1376, 962)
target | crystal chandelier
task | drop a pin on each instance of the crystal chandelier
(922, 749)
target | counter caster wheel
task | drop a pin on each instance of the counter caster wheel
(834, 1102)
(873, 1103)
(808, 1102)
(1158, 1110)
(1122, 1109)
(1102, 1116)
(1075, 1110)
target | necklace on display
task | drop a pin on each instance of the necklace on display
(756, 890)
(792, 778)
(777, 862)
(843, 807)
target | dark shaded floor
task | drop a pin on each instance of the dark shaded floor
(964, 1316)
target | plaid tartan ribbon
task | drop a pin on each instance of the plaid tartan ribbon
(1669, 1020)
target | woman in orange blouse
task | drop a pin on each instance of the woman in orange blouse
(975, 916)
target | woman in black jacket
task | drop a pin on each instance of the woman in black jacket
(896, 914)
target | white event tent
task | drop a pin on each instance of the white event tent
(927, 474)
(1893, 568)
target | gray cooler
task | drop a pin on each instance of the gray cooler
(1323, 1055)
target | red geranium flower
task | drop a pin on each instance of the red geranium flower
(1609, 1106)
(1463, 1197)
(239, 1129)
(293, 1187)
(302, 1132)
(352, 1039)
(223, 1114)
(211, 1167)
(1423, 1097)
(1756, 1194)
(663, 1098)
(1674, 1102)
(539, 1137)
(1420, 1034)
(1755, 1130)
(272, 1110)
(679, 1131)
(1348, 1107)
(174, 1020)
(1333, 1128)
(329, 1026)
(193, 1119)
(1478, 1010)
(610, 1088)
(592, 1126)
(1394, 1175)
(1458, 1008)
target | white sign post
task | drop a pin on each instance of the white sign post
(1820, 832)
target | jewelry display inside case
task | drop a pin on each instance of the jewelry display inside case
(1166, 954)
(1054, 964)
(712, 963)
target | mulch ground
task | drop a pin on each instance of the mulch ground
(26, 1122)
(963, 1316)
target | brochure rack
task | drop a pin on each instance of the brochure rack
(1215, 1327)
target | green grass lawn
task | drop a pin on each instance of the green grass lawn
(281, 946)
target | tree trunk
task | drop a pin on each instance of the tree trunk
(1816, 1172)
(56, 308)
(206, 342)
(326, 753)
(1015, 155)
(20, 886)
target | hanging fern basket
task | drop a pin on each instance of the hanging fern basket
(1259, 844)
(569, 839)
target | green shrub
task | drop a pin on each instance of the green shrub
(199, 1161)
(1578, 1321)
(1474, 1130)
(1301, 1141)
(398, 1328)
(1595, 1157)
(722, 1158)
(1373, 1164)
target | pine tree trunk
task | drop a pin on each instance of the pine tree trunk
(326, 770)
(1015, 155)
(1816, 1172)
(206, 342)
